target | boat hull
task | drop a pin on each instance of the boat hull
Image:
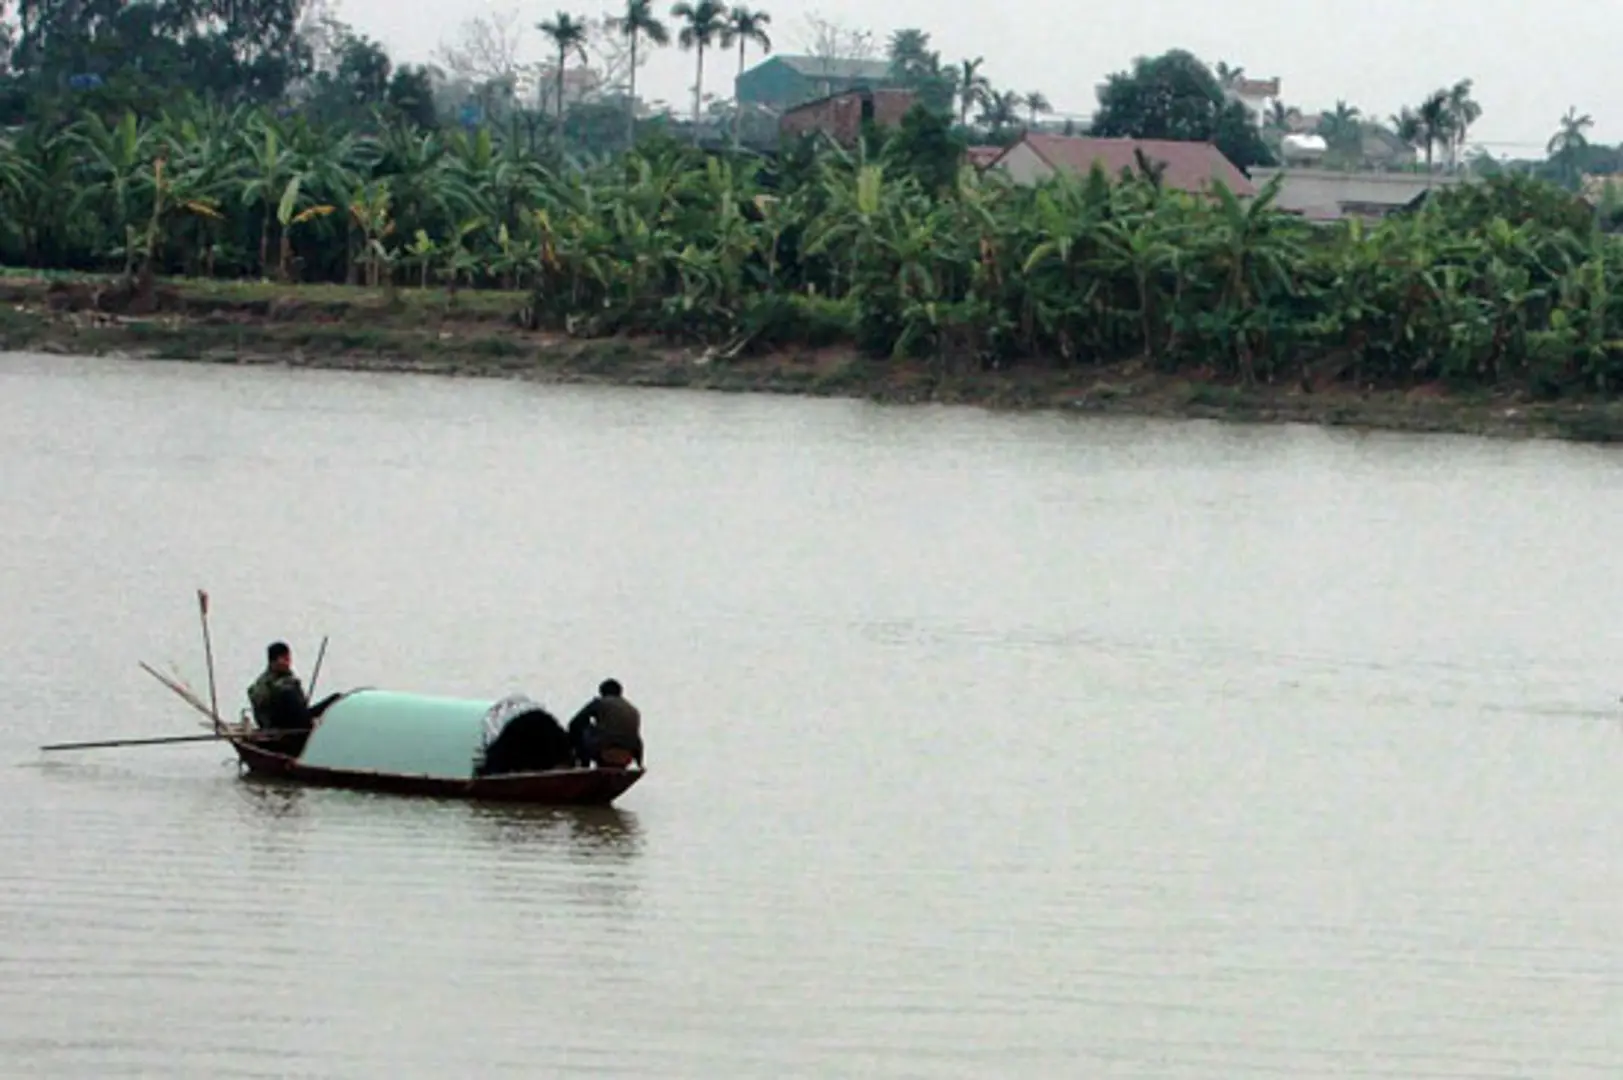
(561, 787)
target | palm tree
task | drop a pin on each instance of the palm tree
(704, 24)
(1463, 111)
(1572, 136)
(1567, 145)
(973, 87)
(745, 26)
(1001, 109)
(1407, 127)
(568, 34)
(908, 50)
(1342, 132)
(1436, 123)
(639, 21)
(1227, 76)
(1037, 103)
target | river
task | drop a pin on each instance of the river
(980, 745)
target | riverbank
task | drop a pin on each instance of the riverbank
(479, 334)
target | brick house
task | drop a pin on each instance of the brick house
(840, 116)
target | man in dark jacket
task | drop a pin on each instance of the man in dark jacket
(608, 729)
(277, 696)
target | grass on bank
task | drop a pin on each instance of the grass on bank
(205, 292)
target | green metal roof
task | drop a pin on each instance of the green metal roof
(817, 67)
(405, 734)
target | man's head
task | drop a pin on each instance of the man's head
(608, 688)
(279, 656)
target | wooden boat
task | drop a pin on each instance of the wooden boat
(509, 750)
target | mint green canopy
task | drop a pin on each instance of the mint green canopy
(408, 734)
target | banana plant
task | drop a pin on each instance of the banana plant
(460, 263)
(369, 207)
(290, 214)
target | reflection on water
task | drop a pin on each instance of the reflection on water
(265, 799)
(989, 746)
(589, 832)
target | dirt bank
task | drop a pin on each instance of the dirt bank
(480, 335)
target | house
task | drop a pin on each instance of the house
(1254, 94)
(1382, 149)
(841, 116)
(539, 83)
(1596, 190)
(781, 82)
(1186, 166)
(982, 157)
(1330, 194)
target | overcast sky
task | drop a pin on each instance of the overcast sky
(1531, 60)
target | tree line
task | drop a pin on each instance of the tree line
(892, 245)
(882, 246)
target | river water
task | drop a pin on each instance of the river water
(979, 745)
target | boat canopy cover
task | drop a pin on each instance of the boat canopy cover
(409, 734)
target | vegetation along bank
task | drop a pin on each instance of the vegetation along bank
(889, 268)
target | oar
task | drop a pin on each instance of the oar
(162, 740)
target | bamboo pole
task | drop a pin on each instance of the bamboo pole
(164, 739)
(315, 673)
(181, 692)
(208, 655)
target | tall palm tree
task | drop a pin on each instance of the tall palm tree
(703, 25)
(1573, 134)
(745, 26)
(639, 21)
(1037, 103)
(973, 87)
(568, 35)
(1436, 123)
(1464, 111)
(1567, 145)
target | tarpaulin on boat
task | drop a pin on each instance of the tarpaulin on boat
(405, 734)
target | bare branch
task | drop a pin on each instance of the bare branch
(610, 53)
(486, 48)
(830, 39)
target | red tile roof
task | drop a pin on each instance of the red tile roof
(1190, 166)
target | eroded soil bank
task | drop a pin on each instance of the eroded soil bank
(480, 335)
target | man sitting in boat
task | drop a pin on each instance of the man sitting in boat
(608, 729)
(277, 695)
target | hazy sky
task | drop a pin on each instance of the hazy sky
(1531, 60)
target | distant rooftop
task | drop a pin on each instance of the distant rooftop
(1190, 166)
(1255, 87)
(982, 156)
(818, 67)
